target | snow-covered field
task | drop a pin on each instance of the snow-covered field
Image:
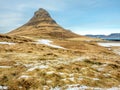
(108, 44)
(48, 43)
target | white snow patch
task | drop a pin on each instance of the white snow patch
(104, 65)
(43, 67)
(48, 43)
(64, 79)
(20, 87)
(37, 67)
(61, 73)
(100, 69)
(95, 79)
(109, 49)
(84, 87)
(45, 87)
(5, 66)
(9, 43)
(71, 75)
(3, 88)
(117, 51)
(24, 76)
(80, 78)
(83, 68)
(49, 81)
(72, 79)
(51, 72)
(28, 65)
(114, 88)
(94, 66)
(107, 75)
(77, 87)
(109, 44)
(56, 88)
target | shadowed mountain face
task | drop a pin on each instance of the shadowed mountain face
(42, 25)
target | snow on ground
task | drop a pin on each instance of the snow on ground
(3, 88)
(94, 66)
(67, 62)
(117, 51)
(51, 63)
(50, 72)
(95, 79)
(114, 88)
(80, 78)
(56, 88)
(107, 75)
(24, 76)
(61, 73)
(100, 69)
(37, 67)
(72, 78)
(48, 43)
(9, 43)
(75, 87)
(83, 87)
(5, 66)
(109, 44)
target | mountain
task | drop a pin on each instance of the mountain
(42, 25)
(96, 36)
(113, 36)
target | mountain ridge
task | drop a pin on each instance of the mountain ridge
(112, 36)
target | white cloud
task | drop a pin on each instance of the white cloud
(10, 18)
(9, 21)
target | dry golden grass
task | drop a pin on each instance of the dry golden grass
(43, 31)
(35, 66)
(84, 38)
(15, 39)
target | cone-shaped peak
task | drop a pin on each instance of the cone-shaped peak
(42, 25)
(41, 13)
(41, 16)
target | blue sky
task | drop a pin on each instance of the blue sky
(80, 16)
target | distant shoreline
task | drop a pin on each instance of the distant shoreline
(112, 39)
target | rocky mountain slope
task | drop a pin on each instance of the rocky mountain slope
(42, 25)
